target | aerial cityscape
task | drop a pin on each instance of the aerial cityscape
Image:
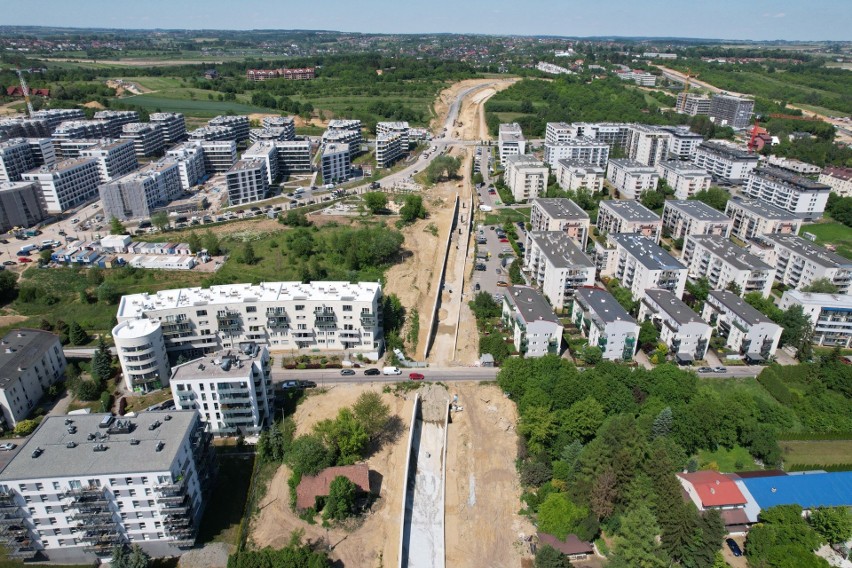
(478, 285)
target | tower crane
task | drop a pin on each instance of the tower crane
(26, 91)
(689, 76)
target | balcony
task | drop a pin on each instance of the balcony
(279, 321)
(368, 319)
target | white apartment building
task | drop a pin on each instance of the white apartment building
(115, 158)
(283, 122)
(389, 149)
(232, 390)
(639, 264)
(723, 263)
(752, 217)
(724, 161)
(692, 104)
(56, 116)
(293, 156)
(613, 133)
(525, 176)
(336, 163)
(510, 141)
(683, 143)
(641, 78)
(117, 119)
(558, 132)
(788, 191)
(139, 194)
(795, 166)
(214, 133)
(239, 124)
(219, 155)
(67, 148)
(648, 145)
(535, 328)
(142, 355)
(683, 330)
(746, 331)
(630, 178)
(16, 157)
(400, 128)
(171, 124)
(561, 214)
(344, 132)
(190, 162)
(557, 266)
(266, 151)
(330, 317)
(82, 129)
(66, 184)
(798, 262)
(830, 314)
(606, 324)
(574, 175)
(684, 178)
(82, 484)
(629, 217)
(691, 217)
(838, 179)
(247, 181)
(30, 361)
(147, 138)
(577, 149)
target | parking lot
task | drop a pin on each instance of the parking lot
(495, 270)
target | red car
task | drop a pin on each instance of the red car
(24, 259)
(415, 376)
(504, 240)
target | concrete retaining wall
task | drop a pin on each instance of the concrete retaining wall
(433, 320)
(406, 487)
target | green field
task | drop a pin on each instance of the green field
(157, 83)
(201, 106)
(735, 459)
(816, 452)
(503, 216)
(835, 234)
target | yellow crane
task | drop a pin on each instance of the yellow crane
(26, 91)
(689, 76)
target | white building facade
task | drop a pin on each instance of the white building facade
(681, 329)
(684, 178)
(629, 217)
(723, 264)
(141, 350)
(631, 178)
(751, 217)
(31, 361)
(561, 214)
(572, 175)
(788, 191)
(557, 266)
(536, 330)
(605, 324)
(830, 314)
(526, 177)
(682, 218)
(746, 331)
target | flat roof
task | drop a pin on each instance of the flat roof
(525, 160)
(335, 148)
(739, 307)
(697, 210)
(560, 208)
(16, 185)
(683, 168)
(602, 305)
(646, 251)
(560, 249)
(763, 209)
(632, 165)
(121, 457)
(810, 250)
(809, 490)
(587, 167)
(787, 177)
(21, 348)
(727, 151)
(225, 364)
(63, 166)
(134, 329)
(734, 255)
(673, 306)
(531, 306)
(828, 302)
(631, 210)
(839, 173)
(579, 141)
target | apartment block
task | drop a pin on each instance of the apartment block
(21, 204)
(728, 110)
(139, 194)
(684, 178)
(573, 175)
(147, 138)
(536, 330)
(286, 123)
(605, 324)
(239, 123)
(333, 317)
(352, 139)
(82, 484)
(795, 166)
(190, 162)
(30, 362)
(219, 155)
(648, 145)
(751, 217)
(683, 143)
(268, 134)
(830, 315)
(116, 119)
(577, 149)
(141, 350)
(629, 217)
(336, 163)
(510, 141)
(171, 124)
(231, 389)
(525, 176)
(247, 181)
(67, 148)
(724, 264)
(66, 184)
(631, 178)
(16, 157)
(746, 331)
(724, 161)
(25, 128)
(640, 264)
(214, 133)
(268, 152)
(400, 128)
(838, 179)
(389, 149)
(560, 214)
(558, 132)
(557, 266)
(115, 158)
(56, 116)
(692, 104)
(798, 262)
(786, 190)
(682, 218)
(613, 133)
(681, 329)
(293, 156)
(76, 129)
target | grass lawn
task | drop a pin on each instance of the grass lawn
(501, 216)
(143, 401)
(735, 459)
(201, 106)
(221, 521)
(157, 83)
(836, 234)
(813, 452)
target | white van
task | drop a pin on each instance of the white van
(391, 371)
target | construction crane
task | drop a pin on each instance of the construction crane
(689, 76)
(26, 91)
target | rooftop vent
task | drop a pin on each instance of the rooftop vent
(91, 437)
(167, 417)
(99, 448)
(154, 425)
(71, 445)
(134, 442)
(37, 452)
(160, 445)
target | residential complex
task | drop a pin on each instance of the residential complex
(300, 74)
(639, 263)
(389, 149)
(21, 204)
(266, 152)
(725, 162)
(631, 178)
(558, 132)
(212, 133)
(190, 162)
(115, 158)
(141, 350)
(116, 119)
(727, 110)
(31, 361)
(536, 330)
(510, 141)
(66, 184)
(400, 128)
(798, 262)
(82, 129)
(605, 324)
(171, 124)
(692, 104)
(838, 179)
(20, 155)
(56, 116)
(336, 163)
(238, 123)
(560, 214)
(746, 331)
(724, 264)
(247, 181)
(681, 329)
(629, 217)
(139, 194)
(573, 175)
(557, 266)
(577, 149)
(692, 217)
(219, 155)
(788, 191)
(147, 138)
(795, 166)
(525, 176)
(648, 145)
(683, 143)
(293, 156)
(830, 315)
(684, 178)
(751, 217)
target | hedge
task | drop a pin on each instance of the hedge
(817, 466)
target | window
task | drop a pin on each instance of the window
(300, 307)
(347, 307)
(128, 481)
(51, 520)
(201, 313)
(56, 486)
(251, 309)
(39, 487)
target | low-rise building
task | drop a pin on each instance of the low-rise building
(247, 181)
(171, 124)
(683, 330)
(21, 205)
(788, 191)
(557, 266)
(232, 390)
(746, 331)
(712, 490)
(629, 217)
(684, 178)
(573, 175)
(141, 350)
(31, 361)
(631, 179)
(536, 330)
(510, 141)
(560, 214)
(639, 264)
(691, 217)
(115, 158)
(838, 179)
(525, 176)
(66, 184)
(147, 138)
(830, 316)
(724, 264)
(605, 324)
(752, 217)
(389, 149)
(725, 162)
(336, 163)
(139, 194)
(798, 262)
(577, 149)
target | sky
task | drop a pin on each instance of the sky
(717, 19)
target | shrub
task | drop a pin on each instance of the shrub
(25, 427)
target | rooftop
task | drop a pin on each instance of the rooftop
(839, 173)
(763, 209)
(63, 166)
(809, 490)
(725, 249)
(586, 167)
(560, 249)
(631, 211)
(788, 178)
(738, 307)
(714, 489)
(525, 160)
(727, 151)
(106, 145)
(646, 251)
(21, 348)
(150, 170)
(123, 455)
(224, 365)
(632, 166)
(580, 141)
(313, 486)
(136, 127)
(530, 306)
(602, 305)
(246, 164)
(570, 546)
(812, 251)
(697, 210)
(683, 168)
(335, 148)
(15, 185)
(560, 208)
(135, 329)
(158, 116)
(828, 302)
(673, 306)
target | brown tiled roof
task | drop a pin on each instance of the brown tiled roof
(734, 517)
(570, 546)
(313, 486)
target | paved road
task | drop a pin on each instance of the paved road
(333, 376)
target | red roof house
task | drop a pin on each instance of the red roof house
(711, 489)
(313, 486)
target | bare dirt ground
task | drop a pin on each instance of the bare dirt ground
(483, 497)
(374, 542)
(8, 109)
(448, 95)
(11, 320)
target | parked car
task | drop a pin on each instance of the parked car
(345, 372)
(24, 259)
(307, 384)
(705, 369)
(502, 284)
(372, 371)
(504, 240)
(735, 548)
(290, 385)
(720, 369)
(10, 263)
(476, 287)
(416, 376)
(8, 447)
(479, 267)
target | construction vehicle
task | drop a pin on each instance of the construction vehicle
(26, 91)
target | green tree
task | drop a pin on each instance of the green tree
(412, 209)
(8, 284)
(635, 541)
(194, 242)
(160, 220)
(649, 335)
(515, 273)
(715, 197)
(652, 199)
(45, 256)
(538, 426)
(76, 334)
(108, 293)
(249, 256)
(295, 218)
(582, 419)
(662, 423)
(821, 286)
(116, 227)
(211, 243)
(340, 503)
(25, 427)
(559, 516)
(376, 201)
(345, 436)
(834, 524)
(548, 557)
(372, 413)
(119, 557)
(484, 306)
(102, 361)
(591, 354)
(308, 455)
